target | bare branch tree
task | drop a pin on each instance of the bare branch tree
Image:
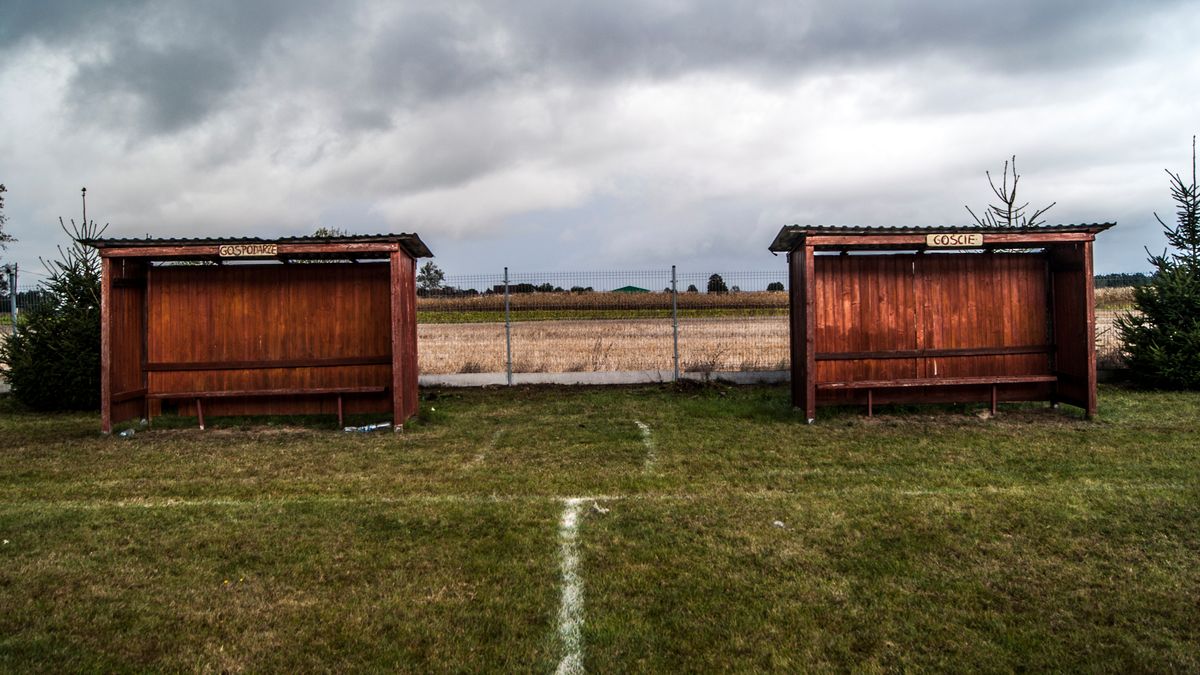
(1007, 213)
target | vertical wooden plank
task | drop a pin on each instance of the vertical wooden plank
(918, 294)
(106, 344)
(397, 337)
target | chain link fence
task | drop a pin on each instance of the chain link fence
(15, 304)
(656, 323)
(1108, 340)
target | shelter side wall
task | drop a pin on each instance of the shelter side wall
(801, 283)
(222, 328)
(127, 384)
(406, 328)
(1073, 311)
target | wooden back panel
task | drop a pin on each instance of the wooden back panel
(885, 317)
(980, 301)
(207, 325)
(865, 303)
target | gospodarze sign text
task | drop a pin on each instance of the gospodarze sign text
(954, 240)
(247, 250)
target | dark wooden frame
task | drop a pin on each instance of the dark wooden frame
(379, 379)
(1059, 366)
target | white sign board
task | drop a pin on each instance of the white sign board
(954, 240)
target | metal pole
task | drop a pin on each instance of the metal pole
(675, 319)
(507, 331)
(12, 294)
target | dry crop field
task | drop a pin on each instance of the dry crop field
(608, 529)
(705, 345)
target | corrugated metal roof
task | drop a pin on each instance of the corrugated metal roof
(790, 235)
(410, 242)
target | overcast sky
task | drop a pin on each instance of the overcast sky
(557, 135)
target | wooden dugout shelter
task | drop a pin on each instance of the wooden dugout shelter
(937, 314)
(299, 325)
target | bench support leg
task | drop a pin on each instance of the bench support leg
(993, 400)
(870, 403)
(341, 423)
(200, 414)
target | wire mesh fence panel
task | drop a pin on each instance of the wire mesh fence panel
(26, 298)
(1108, 340)
(460, 326)
(591, 321)
(733, 321)
(5, 312)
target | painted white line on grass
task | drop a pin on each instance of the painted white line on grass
(648, 441)
(491, 445)
(570, 611)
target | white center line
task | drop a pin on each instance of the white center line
(491, 445)
(648, 441)
(570, 611)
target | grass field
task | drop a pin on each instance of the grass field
(712, 531)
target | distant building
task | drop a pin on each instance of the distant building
(630, 289)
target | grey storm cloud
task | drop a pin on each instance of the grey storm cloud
(584, 132)
(174, 64)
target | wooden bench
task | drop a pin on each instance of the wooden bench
(993, 380)
(199, 396)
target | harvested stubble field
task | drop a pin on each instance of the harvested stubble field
(650, 529)
(747, 343)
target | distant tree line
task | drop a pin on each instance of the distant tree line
(1123, 280)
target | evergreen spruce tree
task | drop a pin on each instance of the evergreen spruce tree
(1162, 337)
(53, 360)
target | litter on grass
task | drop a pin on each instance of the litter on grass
(367, 428)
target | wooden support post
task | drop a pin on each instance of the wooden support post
(1089, 293)
(397, 336)
(810, 331)
(341, 421)
(200, 414)
(870, 403)
(993, 400)
(106, 344)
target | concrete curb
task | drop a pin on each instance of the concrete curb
(598, 378)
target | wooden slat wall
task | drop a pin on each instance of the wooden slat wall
(802, 299)
(403, 314)
(990, 300)
(865, 304)
(240, 313)
(908, 302)
(126, 314)
(1074, 317)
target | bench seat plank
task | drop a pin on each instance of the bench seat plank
(936, 382)
(314, 391)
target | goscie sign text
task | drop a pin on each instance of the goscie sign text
(247, 250)
(954, 240)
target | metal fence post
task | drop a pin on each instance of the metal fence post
(12, 294)
(675, 320)
(507, 332)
